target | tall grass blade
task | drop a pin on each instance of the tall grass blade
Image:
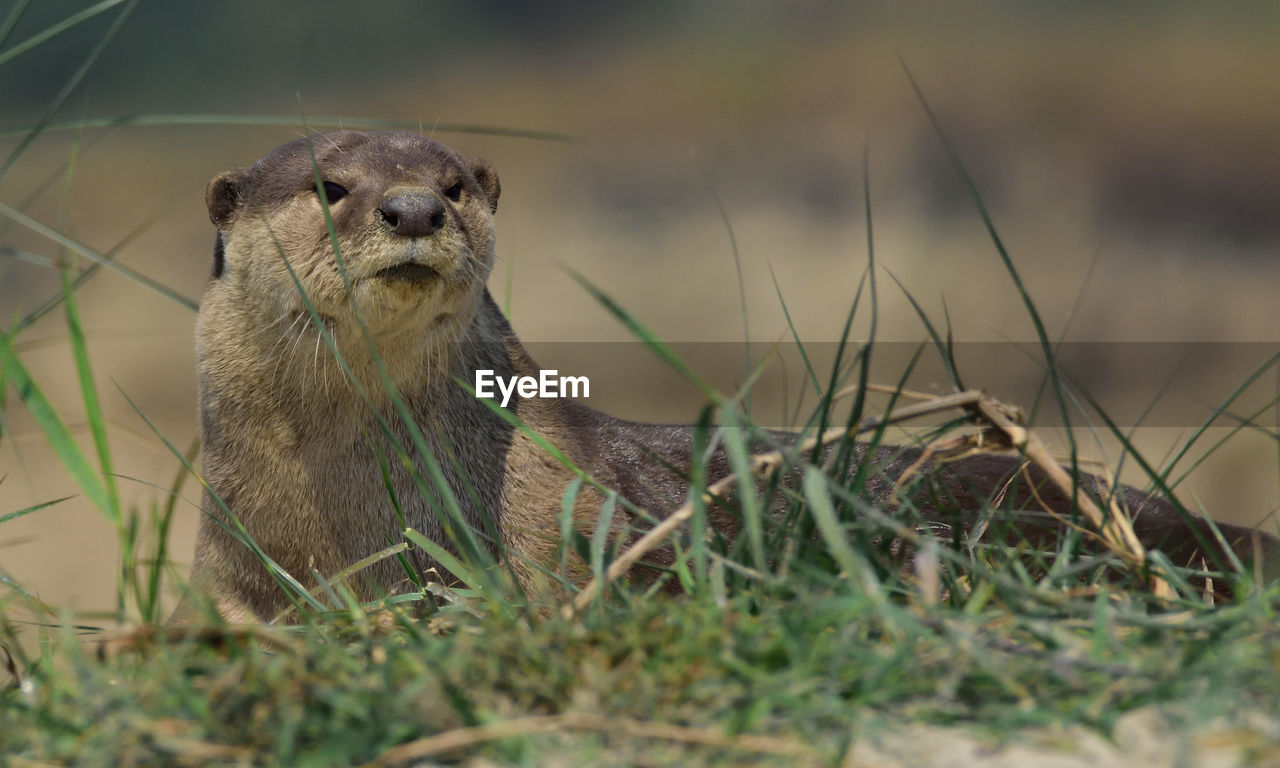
(82, 277)
(446, 560)
(1218, 411)
(33, 508)
(151, 605)
(854, 565)
(568, 501)
(1157, 479)
(1066, 328)
(12, 19)
(737, 268)
(946, 352)
(59, 437)
(67, 88)
(795, 336)
(547, 446)
(649, 338)
(1041, 334)
(735, 444)
(92, 255)
(89, 392)
(864, 371)
(287, 121)
(833, 385)
(600, 539)
(509, 288)
(48, 33)
(363, 563)
(291, 587)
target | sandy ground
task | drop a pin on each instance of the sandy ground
(1141, 737)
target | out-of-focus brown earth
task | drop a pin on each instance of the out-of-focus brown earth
(1150, 143)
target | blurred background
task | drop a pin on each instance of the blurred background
(1127, 157)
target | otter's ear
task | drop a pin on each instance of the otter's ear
(488, 179)
(225, 195)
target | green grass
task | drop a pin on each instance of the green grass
(811, 671)
(789, 642)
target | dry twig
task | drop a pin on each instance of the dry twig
(1116, 529)
(462, 738)
(763, 466)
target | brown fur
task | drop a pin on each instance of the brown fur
(289, 440)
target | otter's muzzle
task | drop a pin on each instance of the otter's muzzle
(411, 214)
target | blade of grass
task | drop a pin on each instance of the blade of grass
(808, 366)
(48, 33)
(151, 606)
(846, 449)
(446, 560)
(1242, 422)
(27, 256)
(1066, 327)
(853, 564)
(56, 432)
(945, 350)
(11, 20)
(83, 277)
(833, 385)
(324, 586)
(740, 464)
(567, 503)
(649, 338)
(1157, 479)
(1218, 411)
(89, 391)
(696, 581)
(94, 417)
(509, 287)
(737, 268)
(1041, 334)
(291, 121)
(600, 539)
(67, 88)
(91, 255)
(291, 587)
(34, 508)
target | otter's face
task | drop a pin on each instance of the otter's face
(412, 219)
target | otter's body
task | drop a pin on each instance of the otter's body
(293, 444)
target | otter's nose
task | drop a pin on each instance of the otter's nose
(412, 215)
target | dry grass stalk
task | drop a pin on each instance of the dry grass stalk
(462, 738)
(763, 466)
(1116, 529)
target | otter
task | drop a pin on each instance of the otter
(297, 343)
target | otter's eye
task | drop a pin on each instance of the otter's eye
(334, 192)
(454, 192)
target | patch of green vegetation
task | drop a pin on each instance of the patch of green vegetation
(802, 675)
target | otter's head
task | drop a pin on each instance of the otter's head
(411, 218)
